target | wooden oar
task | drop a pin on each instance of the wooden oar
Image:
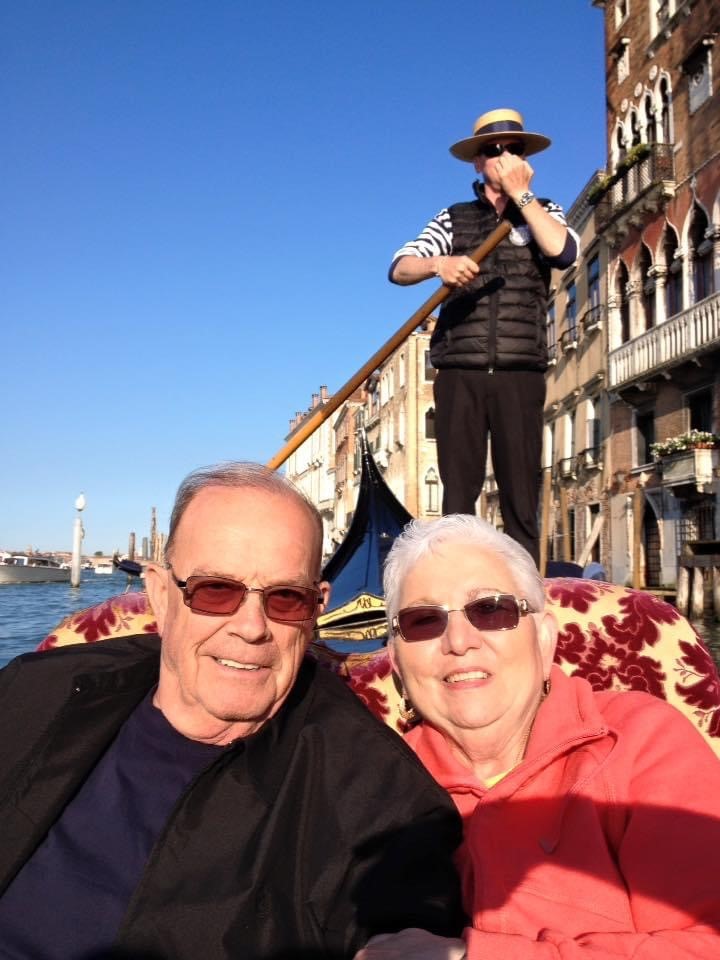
(322, 413)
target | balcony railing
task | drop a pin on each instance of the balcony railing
(630, 185)
(673, 341)
(568, 339)
(566, 468)
(592, 319)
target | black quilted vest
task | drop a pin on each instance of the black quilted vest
(498, 321)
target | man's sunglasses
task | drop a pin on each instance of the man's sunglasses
(221, 597)
(502, 611)
(496, 149)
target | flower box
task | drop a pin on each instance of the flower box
(691, 466)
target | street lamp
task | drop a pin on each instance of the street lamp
(78, 534)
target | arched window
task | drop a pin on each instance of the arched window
(621, 293)
(702, 249)
(634, 128)
(432, 485)
(650, 132)
(673, 283)
(430, 424)
(665, 111)
(648, 287)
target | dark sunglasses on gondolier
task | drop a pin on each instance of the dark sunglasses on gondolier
(491, 150)
(221, 597)
(499, 611)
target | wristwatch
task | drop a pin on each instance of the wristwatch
(525, 199)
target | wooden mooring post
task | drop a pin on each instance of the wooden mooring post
(697, 557)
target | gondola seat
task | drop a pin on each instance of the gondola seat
(615, 637)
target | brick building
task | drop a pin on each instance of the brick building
(658, 211)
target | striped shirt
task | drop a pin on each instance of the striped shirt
(436, 240)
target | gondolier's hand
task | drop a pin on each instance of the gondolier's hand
(514, 174)
(456, 271)
(411, 944)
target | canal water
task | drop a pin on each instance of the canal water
(30, 611)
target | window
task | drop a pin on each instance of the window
(665, 111)
(699, 406)
(650, 126)
(593, 282)
(551, 333)
(401, 370)
(430, 424)
(673, 283)
(702, 250)
(432, 485)
(571, 311)
(644, 436)
(698, 69)
(623, 279)
(430, 371)
(648, 287)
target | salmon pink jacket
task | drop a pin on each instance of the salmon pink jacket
(603, 843)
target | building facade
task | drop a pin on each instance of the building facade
(657, 207)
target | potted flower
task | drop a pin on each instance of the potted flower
(692, 440)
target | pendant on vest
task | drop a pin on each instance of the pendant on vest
(520, 236)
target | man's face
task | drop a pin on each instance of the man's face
(487, 167)
(222, 677)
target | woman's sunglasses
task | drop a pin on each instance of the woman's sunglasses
(496, 149)
(221, 597)
(502, 611)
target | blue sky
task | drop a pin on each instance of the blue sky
(200, 199)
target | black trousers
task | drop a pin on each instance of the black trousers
(508, 406)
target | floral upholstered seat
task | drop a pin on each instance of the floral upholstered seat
(615, 637)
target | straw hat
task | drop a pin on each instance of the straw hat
(494, 124)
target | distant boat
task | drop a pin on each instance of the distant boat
(104, 568)
(24, 569)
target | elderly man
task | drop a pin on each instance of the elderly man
(213, 793)
(489, 344)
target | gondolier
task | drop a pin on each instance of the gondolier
(489, 344)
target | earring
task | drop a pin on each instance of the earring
(546, 687)
(407, 711)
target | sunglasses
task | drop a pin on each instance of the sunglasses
(496, 149)
(502, 611)
(221, 597)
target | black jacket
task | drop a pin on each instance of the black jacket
(300, 841)
(498, 321)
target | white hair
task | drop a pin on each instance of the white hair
(420, 537)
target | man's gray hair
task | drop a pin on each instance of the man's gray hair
(239, 474)
(421, 537)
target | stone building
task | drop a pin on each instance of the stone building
(658, 210)
(395, 408)
(574, 521)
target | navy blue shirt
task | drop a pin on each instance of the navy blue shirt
(68, 901)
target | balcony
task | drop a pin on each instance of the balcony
(590, 459)
(566, 468)
(637, 188)
(682, 337)
(592, 319)
(568, 339)
(696, 467)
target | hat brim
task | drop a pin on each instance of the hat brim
(468, 149)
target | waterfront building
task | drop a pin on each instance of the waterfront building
(395, 408)
(657, 207)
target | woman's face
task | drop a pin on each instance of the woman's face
(469, 681)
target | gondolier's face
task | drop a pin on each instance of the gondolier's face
(223, 676)
(487, 165)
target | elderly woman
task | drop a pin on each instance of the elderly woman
(592, 820)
